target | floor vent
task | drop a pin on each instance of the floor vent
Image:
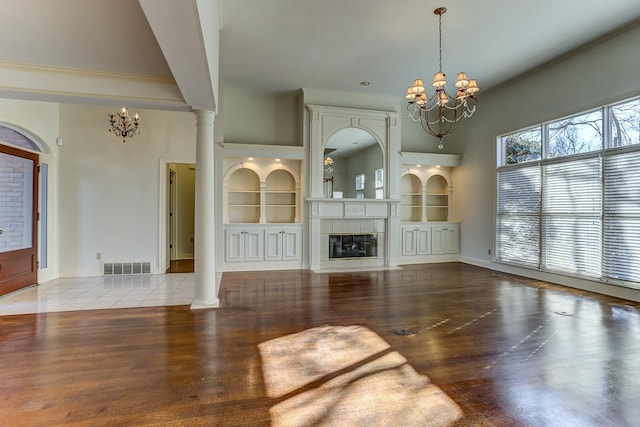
(126, 268)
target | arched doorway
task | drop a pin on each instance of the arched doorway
(18, 211)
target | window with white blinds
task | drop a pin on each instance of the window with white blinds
(519, 215)
(571, 217)
(621, 257)
(569, 195)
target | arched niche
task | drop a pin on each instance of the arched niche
(243, 196)
(381, 126)
(437, 203)
(281, 197)
(352, 152)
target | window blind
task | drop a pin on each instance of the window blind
(518, 228)
(572, 216)
(621, 258)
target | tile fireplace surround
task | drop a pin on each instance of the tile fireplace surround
(352, 226)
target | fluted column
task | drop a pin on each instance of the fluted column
(206, 292)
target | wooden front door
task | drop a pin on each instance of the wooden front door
(18, 218)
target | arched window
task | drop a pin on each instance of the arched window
(13, 137)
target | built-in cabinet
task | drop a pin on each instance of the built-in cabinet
(426, 190)
(261, 208)
(259, 243)
(435, 239)
(425, 194)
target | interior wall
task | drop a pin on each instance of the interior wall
(604, 72)
(109, 190)
(251, 118)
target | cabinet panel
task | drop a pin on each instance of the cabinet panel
(273, 245)
(409, 243)
(423, 240)
(444, 239)
(416, 240)
(291, 241)
(243, 245)
(235, 245)
(283, 244)
(253, 245)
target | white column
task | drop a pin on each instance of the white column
(206, 292)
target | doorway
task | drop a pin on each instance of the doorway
(180, 217)
(18, 219)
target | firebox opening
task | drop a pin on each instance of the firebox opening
(353, 246)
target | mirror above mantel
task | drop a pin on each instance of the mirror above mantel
(357, 141)
(348, 153)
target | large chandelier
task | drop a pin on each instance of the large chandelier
(121, 124)
(440, 114)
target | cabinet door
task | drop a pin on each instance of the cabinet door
(253, 245)
(273, 244)
(423, 241)
(451, 241)
(438, 240)
(409, 240)
(234, 250)
(291, 242)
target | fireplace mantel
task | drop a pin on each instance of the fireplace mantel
(352, 208)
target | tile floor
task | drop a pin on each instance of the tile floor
(94, 293)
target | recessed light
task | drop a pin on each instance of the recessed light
(438, 166)
(418, 166)
(249, 158)
(277, 160)
(365, 83)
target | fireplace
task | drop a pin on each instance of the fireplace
(353, 246)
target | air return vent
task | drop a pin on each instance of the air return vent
(126, 268)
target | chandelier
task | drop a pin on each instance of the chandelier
(440, 114)
(124, 125)
(328, 165)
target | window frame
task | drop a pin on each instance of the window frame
(606, 150)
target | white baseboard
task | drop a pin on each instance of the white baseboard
(572, 282)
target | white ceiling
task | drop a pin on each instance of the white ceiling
(285, 45)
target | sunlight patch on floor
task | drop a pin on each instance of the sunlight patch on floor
(348, 375)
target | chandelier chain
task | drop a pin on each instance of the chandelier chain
(440, 37)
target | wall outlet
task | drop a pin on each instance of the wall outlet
(98, 255)
(489, 251)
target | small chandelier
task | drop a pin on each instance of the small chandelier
(328, 165)
(440, 114)
(124, 125)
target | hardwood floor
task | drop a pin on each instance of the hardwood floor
(507, 351)
(180, 266)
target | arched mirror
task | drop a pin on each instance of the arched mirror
(353, 166)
